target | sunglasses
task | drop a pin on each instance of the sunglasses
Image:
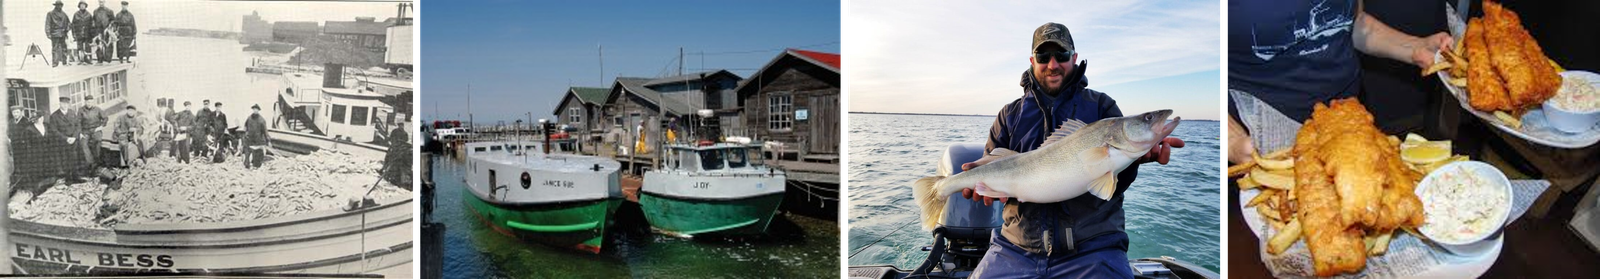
(1042, 57)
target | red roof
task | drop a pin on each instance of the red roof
(832, 59)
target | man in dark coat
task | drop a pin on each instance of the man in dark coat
(219, 133)
(185, 135)
(57, 27)
(102, 21)
(397, 161)
(24, 149)
(62, 128)
(83, 31)
(126, 30)
(255, 138)
(202, 126)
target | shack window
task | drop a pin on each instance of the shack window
(27, 98)
(337, 114)
(575, 115)
(358, 115)
(780, 112)
(114, 85)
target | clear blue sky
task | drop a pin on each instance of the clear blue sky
(520, 56)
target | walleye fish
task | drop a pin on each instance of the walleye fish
(1078, 158)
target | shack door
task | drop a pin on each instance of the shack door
(824, 114)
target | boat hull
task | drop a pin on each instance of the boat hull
(577, 225)
(691, 216)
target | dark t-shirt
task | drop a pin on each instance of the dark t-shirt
(1293, 53)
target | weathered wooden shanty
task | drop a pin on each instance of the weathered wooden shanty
(581, 107)
(794, 100)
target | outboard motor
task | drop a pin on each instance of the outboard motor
(963, 235)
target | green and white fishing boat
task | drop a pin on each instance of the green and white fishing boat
(711, 188)
(562, 200)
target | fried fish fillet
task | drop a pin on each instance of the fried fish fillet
(1351, 159)
(1529, 78)
(1335, 248)
(1401, 206)
(1485, 88)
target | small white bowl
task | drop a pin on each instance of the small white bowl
(1481, 243)
(1573, 121)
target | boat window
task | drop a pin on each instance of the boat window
(337, 114)
(479, 149)
(710, 159)
(495, 148)
(736, 157)
(358, 115)
(754, 153)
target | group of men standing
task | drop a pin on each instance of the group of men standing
(66, 148)
(95, 33)
(196, 133)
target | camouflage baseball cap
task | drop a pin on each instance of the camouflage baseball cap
(1052, 33)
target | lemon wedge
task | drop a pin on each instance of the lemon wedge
(1425, 153)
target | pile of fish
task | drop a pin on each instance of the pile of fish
(165, 191)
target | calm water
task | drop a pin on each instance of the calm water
(1171, 210)
(795, 247)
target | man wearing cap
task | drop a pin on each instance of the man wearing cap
(1079, 238)
(182, 140)
(102, 21)
(25, 151)
(94, 124)
(126, 30)
(255, 138)
(57, 26)
(83, 31)
(202, 126)
(63, 128)
(219, 132)
(127, 133)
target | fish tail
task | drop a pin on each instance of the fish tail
(931, 199)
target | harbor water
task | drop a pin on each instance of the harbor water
(1171, 210)
(794, 247)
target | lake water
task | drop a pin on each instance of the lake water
(795, 247)
(1171, 210)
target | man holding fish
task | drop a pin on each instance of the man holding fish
(1047, 149)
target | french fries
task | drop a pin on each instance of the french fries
(1273, 179)
(1286, 237)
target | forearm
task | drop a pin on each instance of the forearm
(1376, 38)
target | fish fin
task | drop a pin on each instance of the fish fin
(1097, 153)
(983, 189)
(1002, 152)
(1104, 187)
(927, 195)
(1066, 128)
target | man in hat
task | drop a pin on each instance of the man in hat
(63, 128)
(83, 31)
(182, 140)
(397, 161)
(102, 22)
(1081, 237)
(202, 126)
(219, 129)
(126, 30)
(25, 155)
(255, 138)
(127, 133)
(57, 27)
(94, 124)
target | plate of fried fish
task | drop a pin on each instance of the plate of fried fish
(1343, 200)
(1500, 74)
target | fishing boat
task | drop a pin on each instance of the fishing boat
(711, 187)
(962, 238)
(562, 200)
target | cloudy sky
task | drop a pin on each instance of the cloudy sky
(520, 56)
(967, 57)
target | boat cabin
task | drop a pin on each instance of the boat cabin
(714, 157)
(37, 87)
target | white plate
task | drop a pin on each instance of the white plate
(1453, 267)
(1535, 128)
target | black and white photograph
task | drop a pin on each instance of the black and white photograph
(210, 138)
